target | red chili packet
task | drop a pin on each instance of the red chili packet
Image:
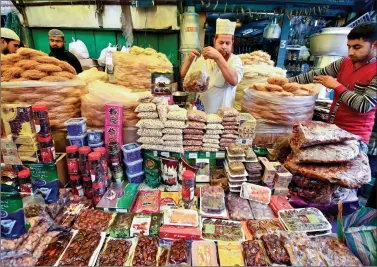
(279, 203)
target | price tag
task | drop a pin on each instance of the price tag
(165, 154)
(220, 155)
(155, 153)
(208, 154)
(193, 155)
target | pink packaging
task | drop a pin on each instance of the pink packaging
(114, 115)
(113, 134)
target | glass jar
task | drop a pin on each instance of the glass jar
(42, 123)
(98, 192)
(83, 160)
(77, 188)
(87, 186)
(46, 145)
(72, 159)
(96, 171)
(25, 180)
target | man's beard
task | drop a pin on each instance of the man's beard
(57, 50)
(6, 51)
(225, 53)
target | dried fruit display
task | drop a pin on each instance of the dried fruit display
(115, 252)
(179, 253)
(146, 251)
(52, 253)
(96, 220)
(224, 230)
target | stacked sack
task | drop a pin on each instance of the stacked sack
(231, 122)
(325, 162)
(150, 126)
(194, 134)
(211, 141)
(173, 131)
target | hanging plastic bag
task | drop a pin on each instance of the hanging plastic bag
(79, 49)
(197, 77)
(106, 53)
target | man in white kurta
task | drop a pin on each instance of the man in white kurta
(224, 68)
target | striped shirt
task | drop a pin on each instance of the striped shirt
(362, 99)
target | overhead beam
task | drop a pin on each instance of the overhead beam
(90, 2)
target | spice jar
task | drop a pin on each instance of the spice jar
(104, 164)
(83, 160)
(46, 145)
(24, 180)
(87, 186)
(96, 171)
(77, 189)
(72, 159)
(188, 188)
(98, 192)
(42, 123)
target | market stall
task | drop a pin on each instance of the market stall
(186, 187)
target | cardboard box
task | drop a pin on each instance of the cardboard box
(57, 169)
(282, 177)
(9, 152)
(180, 232)
(269, 171)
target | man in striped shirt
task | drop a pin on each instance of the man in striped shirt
(354, 81)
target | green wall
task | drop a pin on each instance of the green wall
(96, 40)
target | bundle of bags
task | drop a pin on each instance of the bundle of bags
(325, 162)
(280, 102)
(134, 68)
(231, 121)
(255, 74)
(194, 135)
(32, 77)
(100, 93)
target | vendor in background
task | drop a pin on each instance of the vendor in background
(10, 41)
(225, 68)
(355, 87)
(57, 49)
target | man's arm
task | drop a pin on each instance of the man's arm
(363, 98)
(187, 64)
(330, 70)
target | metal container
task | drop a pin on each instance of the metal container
(190, 27)
(323, 61)
(272, 31)
(330, 41)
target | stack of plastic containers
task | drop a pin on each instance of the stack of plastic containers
(42, 126)
(95, 138)
(114, 124)
(115, 162)
(85, 171)
(98, 176)
(134, 163)
(77, 134)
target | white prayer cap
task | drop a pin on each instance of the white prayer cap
(225, 26)
(9, 34)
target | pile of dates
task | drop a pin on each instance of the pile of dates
(179, 252)
(53, 251)
(163, 257)
(254, 253)
(96, 220)
(81, 248)
(115, 253)
(146, 251)
(275, 249)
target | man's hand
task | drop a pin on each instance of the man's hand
(193, 54)
(211, 53)
(327, 81)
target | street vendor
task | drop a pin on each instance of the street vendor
(225, 68)
(57, 49)
(354, 81)
(10, 41)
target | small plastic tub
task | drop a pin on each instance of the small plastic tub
(95, 136)
(131, 152)
(76, 126)
(134, 167)
(136, 178)
(80, 141)
(93, 146)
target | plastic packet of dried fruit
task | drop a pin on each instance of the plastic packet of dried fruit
(116, 252)
(163, 252)
(179, 253)
(148, 201)
(146, 250)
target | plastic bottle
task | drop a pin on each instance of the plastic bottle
(188, 188)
